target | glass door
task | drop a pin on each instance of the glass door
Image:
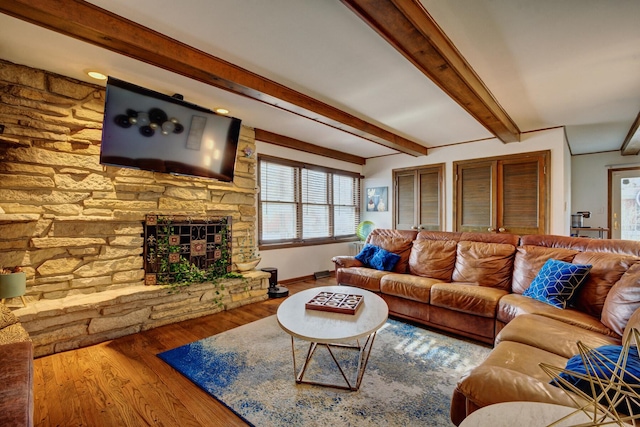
(624, 191)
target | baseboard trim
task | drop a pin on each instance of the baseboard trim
(303, 278)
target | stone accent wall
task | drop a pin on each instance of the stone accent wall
(74, 225)
(81, 320)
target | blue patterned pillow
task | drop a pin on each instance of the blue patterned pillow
(556, 282)
(602, 363)
(378, 258)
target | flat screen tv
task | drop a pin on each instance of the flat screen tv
(147, 130)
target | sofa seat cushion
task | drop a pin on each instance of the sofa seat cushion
(407, 286)
(361, 277)
(467, 298)
(551, 335)
(511, 373)
(487, 264)
(513, 305)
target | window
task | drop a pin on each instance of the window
(302, 204)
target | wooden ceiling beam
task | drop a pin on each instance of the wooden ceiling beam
(89, 23)
(408, 27)
(631, 144)
(296, 144)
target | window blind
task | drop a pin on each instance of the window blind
(306, 204)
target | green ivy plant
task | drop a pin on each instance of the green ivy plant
(186, 274)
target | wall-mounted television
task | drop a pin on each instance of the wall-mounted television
(147, 130)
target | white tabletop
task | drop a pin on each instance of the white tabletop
(327, 327)
(529, 414)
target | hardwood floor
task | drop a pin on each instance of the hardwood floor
(123, 383)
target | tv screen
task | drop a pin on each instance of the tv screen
(148, 130)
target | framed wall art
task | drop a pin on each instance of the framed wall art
(377, 199)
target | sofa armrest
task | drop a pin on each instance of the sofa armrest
(346, 261)
(16, 379)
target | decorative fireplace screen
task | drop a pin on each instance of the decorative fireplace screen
(175, 245)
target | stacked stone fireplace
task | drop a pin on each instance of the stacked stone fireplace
(76, 227)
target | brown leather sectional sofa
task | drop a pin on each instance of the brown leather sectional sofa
(16, 372)
(471, 284)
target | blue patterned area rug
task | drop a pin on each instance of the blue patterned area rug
(409, 379)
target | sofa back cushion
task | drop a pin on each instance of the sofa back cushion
(487, 264)
(622, 301)
(530, 259)
(607, 269)
(554, 241)
(397, 241)
(583, 244)
(433, 258)
(633, 323)
(506, 238)
(438, 235)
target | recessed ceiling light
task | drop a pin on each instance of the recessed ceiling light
(222, 111)
(96, 75)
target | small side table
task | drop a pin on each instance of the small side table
(530, 414)
(585, 230)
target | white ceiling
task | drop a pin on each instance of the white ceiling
(549, 63)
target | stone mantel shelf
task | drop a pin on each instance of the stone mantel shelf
(9, 218)
(84, 301)
(79, 320)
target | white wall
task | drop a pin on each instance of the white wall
(305, 260)
(590, 175)
(378, 173)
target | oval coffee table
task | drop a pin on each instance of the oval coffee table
(330, 329)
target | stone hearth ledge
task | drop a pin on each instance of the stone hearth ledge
(85, 319)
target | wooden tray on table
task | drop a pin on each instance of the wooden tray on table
(335, 302)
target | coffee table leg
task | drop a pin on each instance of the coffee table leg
(366, 352)
(363, 359)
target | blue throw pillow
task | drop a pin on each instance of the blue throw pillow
(375, 257)
(366, 253)
(602, 368)
(384, 260)
(556, 282)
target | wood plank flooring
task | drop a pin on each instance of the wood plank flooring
(123, 383)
